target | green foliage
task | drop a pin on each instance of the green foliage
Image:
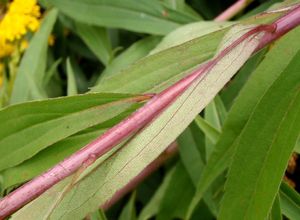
(31, 73)
(234, 133)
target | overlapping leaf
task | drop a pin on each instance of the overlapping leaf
(30, 76)
(266, 142)
(263, 77)
(131, 159)
(29, 128)
(140, 16)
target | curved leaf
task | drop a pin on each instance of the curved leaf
(29, 128)
(267, 141)
(96, 185)
(140, 16)
(30, 76)
(263, 77)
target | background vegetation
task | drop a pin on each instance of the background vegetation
(72, 69)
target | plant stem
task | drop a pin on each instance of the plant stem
(136, 121)
(233, 10)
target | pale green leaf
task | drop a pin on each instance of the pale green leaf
(162, 69)
(210, 131)
(189, 32)
(263, 77)
(135, 52)
(143, 148)
(96, 38)
(140, 16)
(72, 87)
(28, 84)
(28, 128)
(290, 202)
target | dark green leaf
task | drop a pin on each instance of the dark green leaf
(267, 141)
(29, 128)
(289, 201)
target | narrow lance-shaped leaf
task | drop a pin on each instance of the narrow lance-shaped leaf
(289, 202)
(127, 127)
(152, 207)
(128, 212)
(132, 54)
(162, 69)
(150, 142)
(96, 38)
(141, 16)
(267, 141)
(72, 87)
(263, 77)
(275, 213)
(30, 76)
(58, 119)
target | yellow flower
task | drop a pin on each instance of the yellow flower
(22, 16)
(5, 49)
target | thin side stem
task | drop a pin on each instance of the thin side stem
(233, 10)
(136, 121)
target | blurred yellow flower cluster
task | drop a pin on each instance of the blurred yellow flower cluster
(22, 16)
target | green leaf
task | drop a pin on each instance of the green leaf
(263, 77)
(28, 84)
(189, 32)
(193, 163)
(162, 69)
(140, 16)
(190, 155)
(55, 153)
(72, 87)
(47, 158)
(297, 147)
(96, 185)
(183, 7)
(174, 205)
(213, 120)
(152, 207)
(135, 52)
(96, 38)
(128, 212)
(289, 201)
(98, 215)
(230, 92)
(51, 71)
(269, 136)
(37, 125)
(210, 132)
(158, 71)
(275, 213)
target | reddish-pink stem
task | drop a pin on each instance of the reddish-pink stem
(133, 123)
(233, 10)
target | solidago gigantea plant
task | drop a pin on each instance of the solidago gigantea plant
(80, 154)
